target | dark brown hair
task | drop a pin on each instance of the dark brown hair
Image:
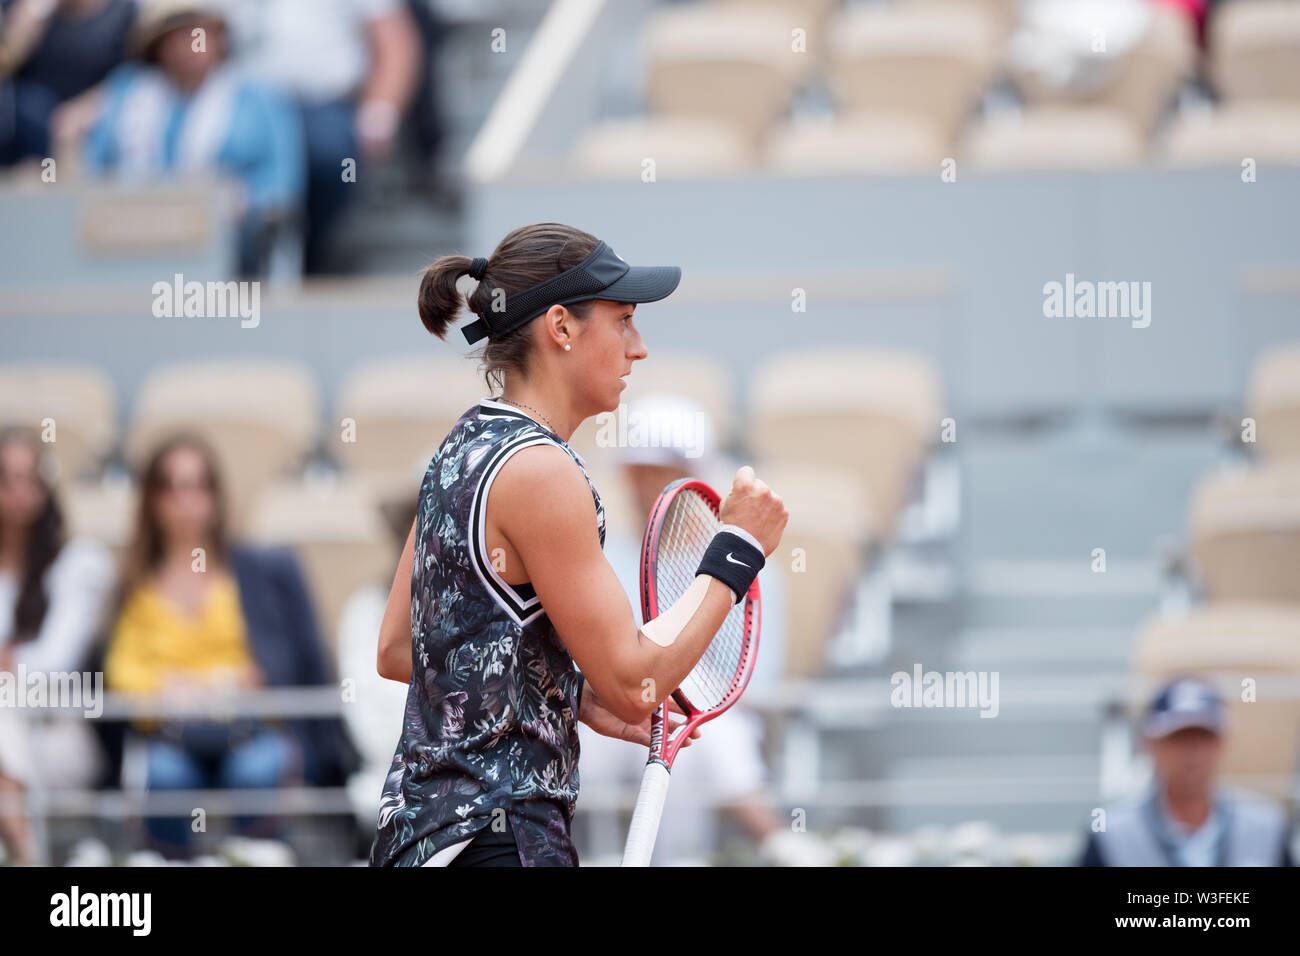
(524, 258)
(45, 539)
(145, 552)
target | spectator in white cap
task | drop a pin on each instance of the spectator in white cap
(667, 437)
(1185, 818)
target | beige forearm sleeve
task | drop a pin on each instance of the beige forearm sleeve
(668, 626)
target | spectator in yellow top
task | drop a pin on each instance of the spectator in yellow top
(198, 614)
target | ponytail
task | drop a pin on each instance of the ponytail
(526, 257)
(440, 302)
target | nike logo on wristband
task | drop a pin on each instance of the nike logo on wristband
(734, 561)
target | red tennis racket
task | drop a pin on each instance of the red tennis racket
(682, 523)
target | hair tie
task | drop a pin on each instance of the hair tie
(476, 268)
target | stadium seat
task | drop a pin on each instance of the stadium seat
(261, 416)
(680, 146)
(1227, 643)
(868, 143)
(104, 511)
(823, 552)
(871, 412)
(1274, 402)
(811, 14)
(1254, 50)
(1268, 133)
(1057, 139)
(930, 61)
(1245, 533)
(1003, 14)
(78, 399)
(403, 407)
(1140, 85)
(336, 530)
(707, 60)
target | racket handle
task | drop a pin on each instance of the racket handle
(645, 818)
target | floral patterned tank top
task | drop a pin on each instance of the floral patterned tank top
(490, 720)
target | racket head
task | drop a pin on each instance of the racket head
(682, 522)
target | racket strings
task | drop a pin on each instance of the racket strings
(687, 530)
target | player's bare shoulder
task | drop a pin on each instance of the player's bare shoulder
(540, 486)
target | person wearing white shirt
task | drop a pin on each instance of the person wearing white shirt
(725, 767)
(53, 595)
(353, 66)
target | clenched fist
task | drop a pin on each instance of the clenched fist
(754, 506)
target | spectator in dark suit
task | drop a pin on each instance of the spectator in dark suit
(198, 614)
(52, 51)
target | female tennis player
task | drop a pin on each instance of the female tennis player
(505, 617)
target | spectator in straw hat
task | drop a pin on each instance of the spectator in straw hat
(180, 109)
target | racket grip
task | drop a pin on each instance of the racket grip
(645, 818)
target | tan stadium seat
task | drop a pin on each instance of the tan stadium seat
(1255, 50)
(78, 399)
(1070, 140)
(823, 552)
(1003, 14)
(403, 408)
(1142, 84)
(1245, 533)
(1274, 402)
(338, 534)
(931, 61)
(261, 416)
(872, 412)
(868, 143)
(710, 60)
(1268, 133)
(811, 14)
(679, 146)
(1226, 643)
(103, 511)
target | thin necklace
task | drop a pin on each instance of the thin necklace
(531, 409)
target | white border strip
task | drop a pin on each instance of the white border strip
(479, 539)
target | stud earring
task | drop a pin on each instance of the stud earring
(567, 346)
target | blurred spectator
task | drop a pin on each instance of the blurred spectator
(243, 621)
(675, 440)
(1057, 40)
(50, 52)
(426, 124)
(1185, 819)
(53, 593)
(182, 109)
(375, 713)
(353, 66)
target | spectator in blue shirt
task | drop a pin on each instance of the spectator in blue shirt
(181, 109)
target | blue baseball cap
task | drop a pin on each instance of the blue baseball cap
(1186, 702)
